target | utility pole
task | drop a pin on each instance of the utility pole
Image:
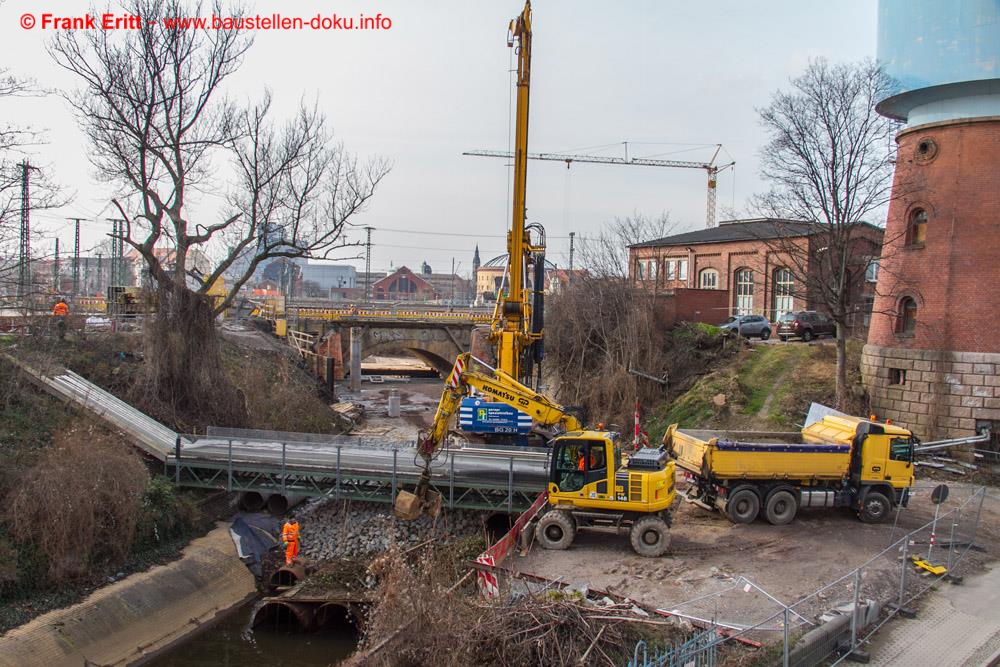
(453, 281)
(55, 268)
(100, 274)
(368, 265)
(24, 249)
(76, 256)
(117, 251)
(572, 237)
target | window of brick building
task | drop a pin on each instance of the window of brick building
(671, 270)
(784, 285)
(682, 269)
(744, 291)
(906, 317)
(708, 279)
(916, 229)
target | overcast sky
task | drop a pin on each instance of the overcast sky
(660, 74)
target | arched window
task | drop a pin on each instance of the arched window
(916, 227)
(744, 291)
(784, 286)
(708, 279)
(906, 318)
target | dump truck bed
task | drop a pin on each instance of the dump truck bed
(728, 458)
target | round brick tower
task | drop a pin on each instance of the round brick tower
(932, 361)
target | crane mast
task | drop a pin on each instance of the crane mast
(513, 330)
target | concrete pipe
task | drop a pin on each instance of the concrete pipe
(497, 525)
(285, 615)
(337, 618)
(278, 504)
(288, 575)
(251, 501)
(394, 403)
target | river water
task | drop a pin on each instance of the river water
(224, 645)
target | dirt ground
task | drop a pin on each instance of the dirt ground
(789, 562)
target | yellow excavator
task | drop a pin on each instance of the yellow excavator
(591, 483)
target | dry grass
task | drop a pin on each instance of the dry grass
(421, 618)
(80, 503)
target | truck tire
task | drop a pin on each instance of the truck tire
(875, 507)
(650, 536)
(556, 530)
(743, 506)
(781, 507)
(807, 335)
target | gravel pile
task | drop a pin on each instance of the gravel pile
(349, 529)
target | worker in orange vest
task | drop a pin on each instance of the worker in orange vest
(60, 312)
(290, 538)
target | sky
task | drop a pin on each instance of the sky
(670, 78)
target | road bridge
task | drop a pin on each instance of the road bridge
(292, 464)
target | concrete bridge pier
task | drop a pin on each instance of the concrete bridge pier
(356, 333)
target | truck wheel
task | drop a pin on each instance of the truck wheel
(875, 507)
(556, 530)
(743, 506)
(650, 536)
(780, 508)
(807, 335)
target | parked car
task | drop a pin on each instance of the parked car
(748, 325)
(805, 324)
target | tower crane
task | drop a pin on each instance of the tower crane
(711, 168)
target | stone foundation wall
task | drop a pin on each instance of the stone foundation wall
(935, 394)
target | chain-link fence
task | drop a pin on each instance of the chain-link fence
(836, 620)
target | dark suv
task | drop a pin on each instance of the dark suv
(805, 324)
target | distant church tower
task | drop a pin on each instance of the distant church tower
(475, 261)
(932, 360)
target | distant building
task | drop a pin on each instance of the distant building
(490, 278)
(320, 279)
(557, 280)
(750, 260)
(405, 285)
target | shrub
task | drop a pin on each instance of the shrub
(80, 503)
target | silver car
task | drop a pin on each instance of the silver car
(748, 325)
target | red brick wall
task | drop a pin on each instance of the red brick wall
(726, 259)
(954, 274)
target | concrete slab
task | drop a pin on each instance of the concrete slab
(132, 619)
(957, 626)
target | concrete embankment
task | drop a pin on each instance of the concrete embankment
(129, 621)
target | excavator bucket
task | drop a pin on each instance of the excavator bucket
(432, 504)
(407, 506)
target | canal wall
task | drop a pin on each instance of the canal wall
(131, 620)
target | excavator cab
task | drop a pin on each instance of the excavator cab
(589, 486)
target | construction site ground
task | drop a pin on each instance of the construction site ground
(789, 562)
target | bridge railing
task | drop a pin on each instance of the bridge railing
(389, 314)
(340, 471)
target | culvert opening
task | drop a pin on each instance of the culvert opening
(277, 504)
(285, 576)
(497, 525)
(251, 501)
(336, 619)
(281, 617)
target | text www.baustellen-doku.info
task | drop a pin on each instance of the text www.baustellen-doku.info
(46, 21)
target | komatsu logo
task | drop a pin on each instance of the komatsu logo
(500, 393)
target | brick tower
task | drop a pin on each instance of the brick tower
(932, 361)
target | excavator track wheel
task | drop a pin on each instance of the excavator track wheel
(650, 536)
(556, 530)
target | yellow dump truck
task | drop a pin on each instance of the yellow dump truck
(840, 461)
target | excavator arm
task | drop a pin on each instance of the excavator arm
(499, 386)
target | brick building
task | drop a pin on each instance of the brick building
(405, 285)
(757, 263)
(932, 361)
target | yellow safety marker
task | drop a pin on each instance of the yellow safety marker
(922, 564)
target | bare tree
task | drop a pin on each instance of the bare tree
(161, 128)
(829, 160)
(606, 255)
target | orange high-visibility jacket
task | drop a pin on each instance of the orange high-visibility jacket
(60, 309)
(290, 532)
